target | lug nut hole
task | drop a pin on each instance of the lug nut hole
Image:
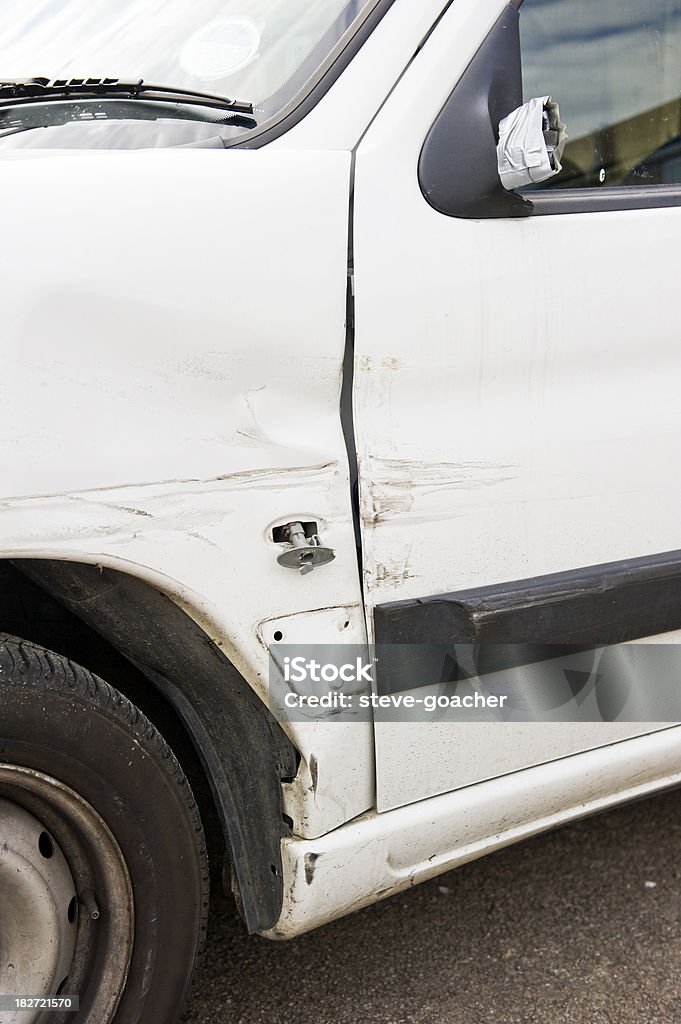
(45, 845)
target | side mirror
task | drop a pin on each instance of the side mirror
(458, 164)
(531, 142)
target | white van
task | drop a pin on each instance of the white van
(286, 367)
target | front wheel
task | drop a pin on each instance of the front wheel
(103, 867)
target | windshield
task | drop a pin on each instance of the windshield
(257, 50)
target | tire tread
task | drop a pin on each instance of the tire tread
(23, 662)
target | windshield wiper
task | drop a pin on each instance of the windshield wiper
(32, 90)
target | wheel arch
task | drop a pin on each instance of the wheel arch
(244, 753)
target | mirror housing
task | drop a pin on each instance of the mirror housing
(458, 163)
(531, 142)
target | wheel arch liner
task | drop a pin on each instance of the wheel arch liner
(244, 752)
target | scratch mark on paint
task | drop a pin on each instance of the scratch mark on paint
(259, 434)
(276, 474)
(135, 511)
(310, 861)
(396, 485)
(392, 575)
(314, 773)
(204, 540)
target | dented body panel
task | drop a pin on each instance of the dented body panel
(171, 376)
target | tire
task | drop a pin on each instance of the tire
(82, 765)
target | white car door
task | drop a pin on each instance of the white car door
(517, 376)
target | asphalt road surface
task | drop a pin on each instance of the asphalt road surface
(578, 926)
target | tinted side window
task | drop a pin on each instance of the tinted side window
(615, 70)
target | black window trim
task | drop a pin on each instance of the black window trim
(600, 200)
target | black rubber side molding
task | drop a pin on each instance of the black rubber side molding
(595, 606)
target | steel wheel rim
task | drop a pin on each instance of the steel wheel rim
(81, 859)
